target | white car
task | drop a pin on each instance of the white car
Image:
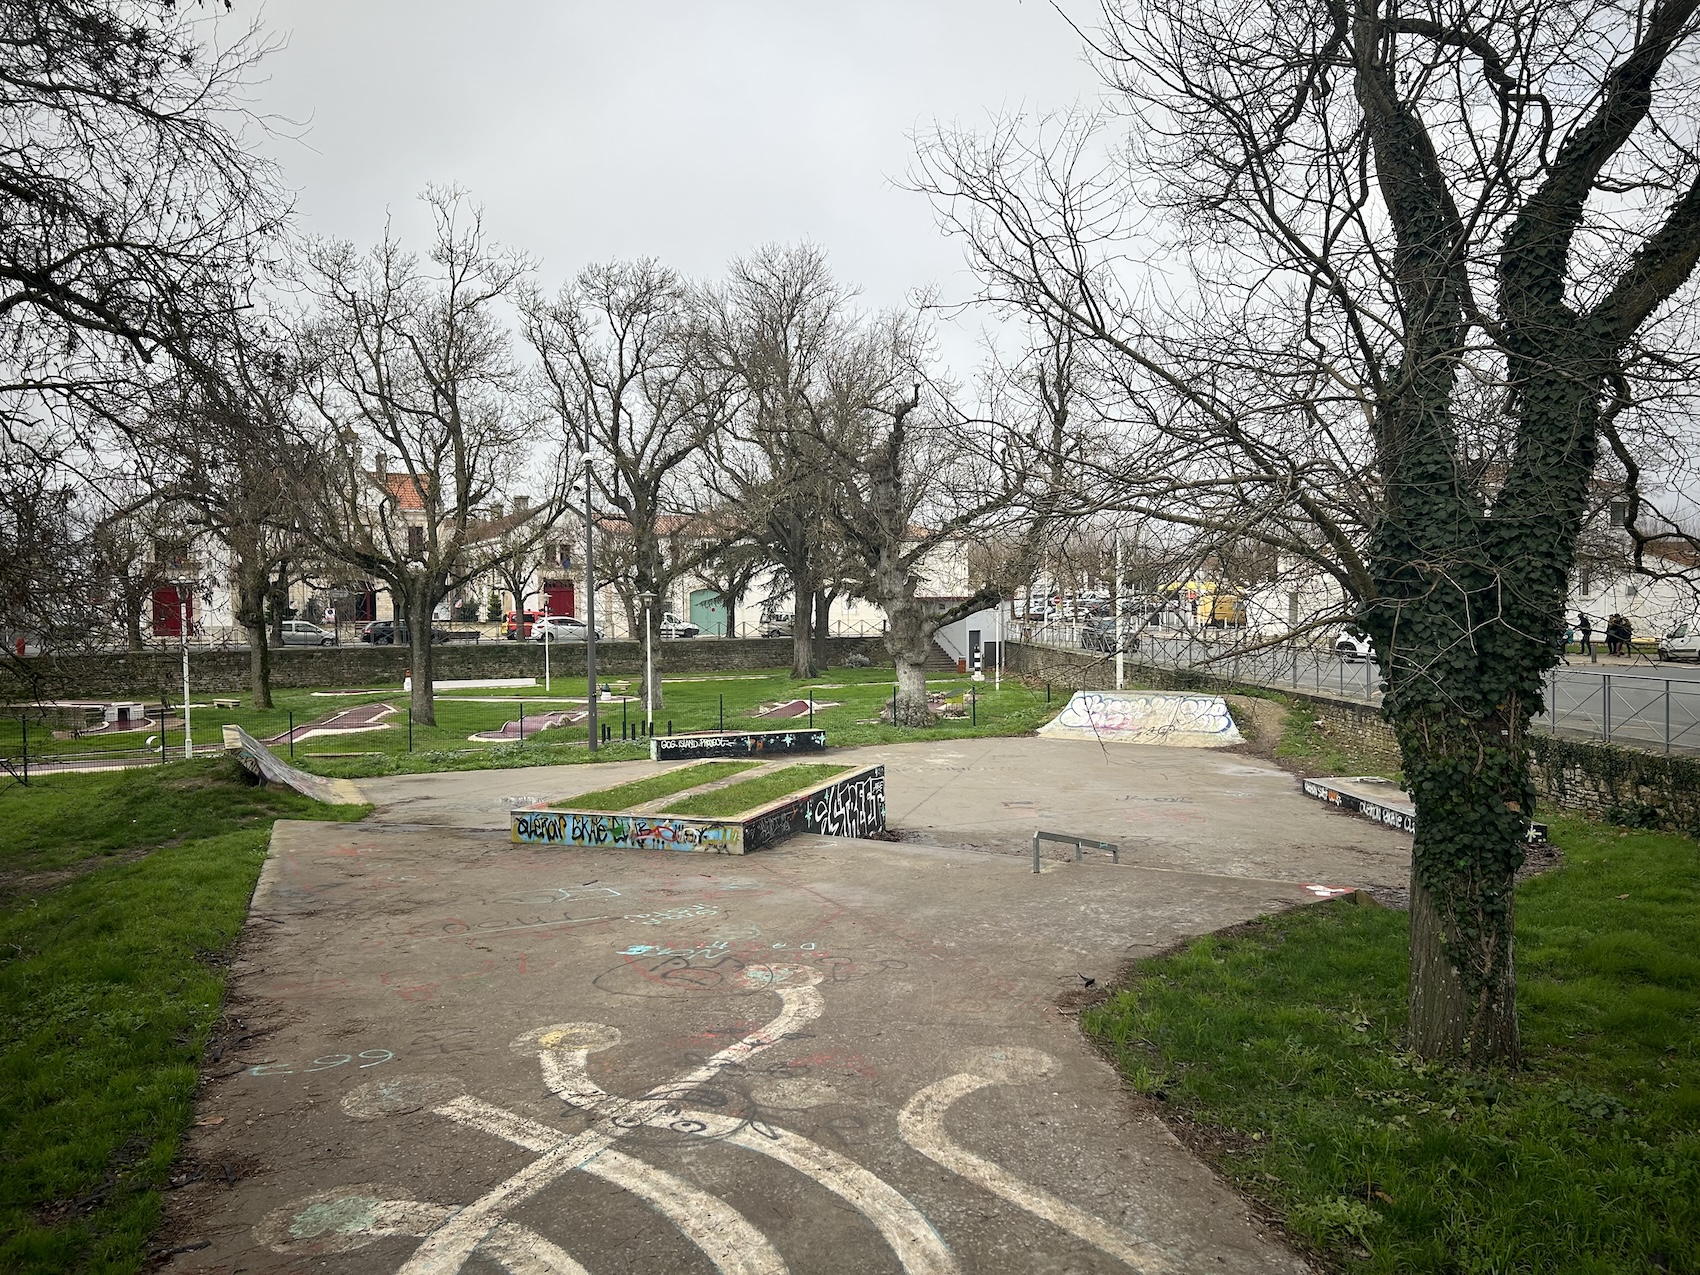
(672, 626)
(1353, 645)
(1681, 643)
(560, 628)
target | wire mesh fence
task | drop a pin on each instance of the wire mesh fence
(1645, 710)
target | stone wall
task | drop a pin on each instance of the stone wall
(150, 674)
(1606, 781)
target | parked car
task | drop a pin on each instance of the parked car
(304, 633)
(775, 624)
(518, 626)
(1100, 634)
(672, 626)
(392, 632)
(1681, 643)
(561, 628)
(1353, 644)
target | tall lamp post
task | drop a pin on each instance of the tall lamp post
(648, 666)
(590, 595)
(183, 634)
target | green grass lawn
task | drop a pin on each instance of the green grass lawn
(753, 793)
(1284, 1040)
(625, 796)
(694, 701)
(110, 982)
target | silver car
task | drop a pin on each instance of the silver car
(305, 633)
(560, 628)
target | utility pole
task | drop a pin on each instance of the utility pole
(1121, 657)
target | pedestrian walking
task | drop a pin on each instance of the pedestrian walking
(1585, 630)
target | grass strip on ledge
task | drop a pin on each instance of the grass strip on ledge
(1280, 1044)
(753, 793)
(639, 791)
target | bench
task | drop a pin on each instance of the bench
(227, 703)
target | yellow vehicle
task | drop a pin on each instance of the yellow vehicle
(1208, 604)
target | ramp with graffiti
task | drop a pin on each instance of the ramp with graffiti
(1174, 719)
(259, 760)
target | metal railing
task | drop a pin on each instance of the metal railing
(1641, 709)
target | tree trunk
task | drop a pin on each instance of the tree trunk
(802, 627)
(1470, 783)
(651, 650)
(251, 615)
(420, 604)
(909, 642)
(823, 616)
(278, 589)
(133, 620)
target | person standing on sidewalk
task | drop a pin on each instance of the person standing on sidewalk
(1585, 630)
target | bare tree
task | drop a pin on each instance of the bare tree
(1432, 260)
(622, 358)
(128, 203)
(916, 480)
(415, 365)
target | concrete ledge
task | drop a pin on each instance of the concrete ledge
(851, 805)
(1371, 796)
(735, 744)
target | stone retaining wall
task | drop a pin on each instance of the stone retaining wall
(149, 674)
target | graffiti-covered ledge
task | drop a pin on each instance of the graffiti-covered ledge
(851, 805)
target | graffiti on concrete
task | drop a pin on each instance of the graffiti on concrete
(626, 832)
(736, 744)
(1146, 717)
(692, 1108)
(1401, 815)
(849, 806)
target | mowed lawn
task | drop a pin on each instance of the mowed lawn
(121, 895)
(1282, 1043)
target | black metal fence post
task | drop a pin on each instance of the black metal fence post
(723, 712)
(292, 734)
(24, 726)
(410, 728)
(522, 722)
(162, 707)
(973, 707)
(811, 708)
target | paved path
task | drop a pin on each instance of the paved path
(834, 1056)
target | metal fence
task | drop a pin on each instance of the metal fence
(1639, 708)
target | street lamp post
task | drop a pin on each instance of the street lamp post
(648, 666)
(589, 595)
(183, 633)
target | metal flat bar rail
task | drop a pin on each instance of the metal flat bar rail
(1079, 844)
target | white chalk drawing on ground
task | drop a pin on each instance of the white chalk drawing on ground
(350, 1218)
(921, 1123)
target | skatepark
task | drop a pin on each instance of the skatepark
(836, 1054)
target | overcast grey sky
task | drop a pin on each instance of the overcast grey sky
(687, 131)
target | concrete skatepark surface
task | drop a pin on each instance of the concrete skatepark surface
(834, 1056)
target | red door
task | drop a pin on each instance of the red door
(558, 597)
(170, 606)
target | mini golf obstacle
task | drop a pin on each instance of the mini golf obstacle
(1172, 719)
(345, 721)
(523, 728)
(735, 743)
(847, 805)
(259, 760)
